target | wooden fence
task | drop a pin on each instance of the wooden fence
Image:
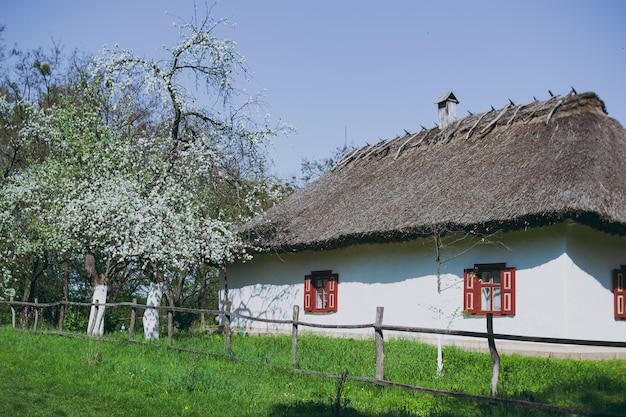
(378, 330)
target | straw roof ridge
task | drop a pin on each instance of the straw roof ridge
(520, 166)
(475, 125)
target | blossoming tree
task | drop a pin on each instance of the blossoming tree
(152, 164)
(202, 165)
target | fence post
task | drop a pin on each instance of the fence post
(12, 314)
(170, 324)
(380, 348)
(495, 357)
(92, 326)
(294, 336)
(36, 316)
(61, 314)
(227, 328)
(133, 317)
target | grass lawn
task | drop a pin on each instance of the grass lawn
(50, 375)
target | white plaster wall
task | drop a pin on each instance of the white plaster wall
(562, 284)
(589, 290)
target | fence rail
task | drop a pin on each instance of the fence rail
(378, 327)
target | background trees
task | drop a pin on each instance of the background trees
(315, 168)
(140, 168)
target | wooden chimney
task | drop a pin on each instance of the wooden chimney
(447, 109)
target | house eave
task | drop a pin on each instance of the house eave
(485, 229)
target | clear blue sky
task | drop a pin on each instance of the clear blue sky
(368, 68)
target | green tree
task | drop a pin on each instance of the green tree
(314, 168)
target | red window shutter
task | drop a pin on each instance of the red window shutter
(619, 295)
(332, 292)
(309, 294)
(471, 292)
(507, 291)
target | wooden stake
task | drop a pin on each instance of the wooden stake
(170, 327)
(92, 326)
(294, 336)
(380, 346)
(12, 314)
(133, 317)
(61, 314)
(495, 357)
(227, 347)
(36, 316)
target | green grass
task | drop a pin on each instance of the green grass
(49, 375)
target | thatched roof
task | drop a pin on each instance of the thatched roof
(511, 168)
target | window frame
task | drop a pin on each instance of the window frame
(473, 286)
(619, 293)
(327, 291)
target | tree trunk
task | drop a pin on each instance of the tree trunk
(24, 314)
(151, 315)
(95, 325)
(39, 265)
(66, 292)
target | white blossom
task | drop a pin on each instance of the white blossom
(166, 198)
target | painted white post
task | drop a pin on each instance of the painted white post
(151, 315)
(439, 355)
(36, 309)
(12, 313)
(96, 314)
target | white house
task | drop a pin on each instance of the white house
(520, 212)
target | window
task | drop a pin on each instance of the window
(320, 292)
(619, 293)
(489, 288)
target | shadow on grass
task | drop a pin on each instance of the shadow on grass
(313, 409)
(465, 409)
(600, 393)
